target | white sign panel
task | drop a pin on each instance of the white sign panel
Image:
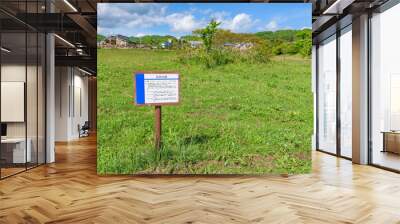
(157, 88)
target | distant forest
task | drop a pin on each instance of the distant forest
(281, 42)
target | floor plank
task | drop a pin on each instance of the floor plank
(69, 191)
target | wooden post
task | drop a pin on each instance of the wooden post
(157, 127)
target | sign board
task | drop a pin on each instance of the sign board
(156, 88)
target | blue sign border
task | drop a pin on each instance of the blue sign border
(139, 88)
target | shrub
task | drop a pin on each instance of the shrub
(278, 49)
(260, 54)
(215, 57)
(213, 53)
(186, 55)
(222, 56)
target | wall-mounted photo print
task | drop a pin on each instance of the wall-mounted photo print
(204, 88)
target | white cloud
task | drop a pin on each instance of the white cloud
(129, 16)
(140, 34)
(139, 18)
(100, 29)
(136, 18)
(241, 22)
(182, 22)
(272, 26)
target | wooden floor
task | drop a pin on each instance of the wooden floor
(5, 172)
(69, 191)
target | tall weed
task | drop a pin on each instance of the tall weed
(224, 55)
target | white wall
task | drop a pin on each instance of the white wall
(62, 82)
(81, 82)
(13, 72)
(70, 83)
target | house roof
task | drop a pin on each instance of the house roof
(195, 42)
(229, 44)
(119, 37)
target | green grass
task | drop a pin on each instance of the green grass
(237, 118)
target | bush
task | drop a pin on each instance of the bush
(218, 56)
(214, 53)
(187, 55)
(304, 47)
(259, 54)
(213, 58)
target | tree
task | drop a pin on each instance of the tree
(100, 37)
(208, 33)
(303, 42)
(289, 41)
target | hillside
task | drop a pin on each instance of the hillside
(280, 35)
(151, 39)
(282, 41)
(100, 37)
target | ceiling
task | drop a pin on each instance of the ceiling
(74, 22)
(327, 13)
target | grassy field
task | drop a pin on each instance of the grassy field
(237, 118)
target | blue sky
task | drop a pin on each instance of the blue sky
(178, 19)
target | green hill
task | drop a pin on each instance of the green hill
(100, 37)
(153, 40)
(282, 41)
(289, 41)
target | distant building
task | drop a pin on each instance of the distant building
(195, 43)
(239, 46)
(166, 44)
(121, 41)
(118, 41)
(229, 45)
(100, 43)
